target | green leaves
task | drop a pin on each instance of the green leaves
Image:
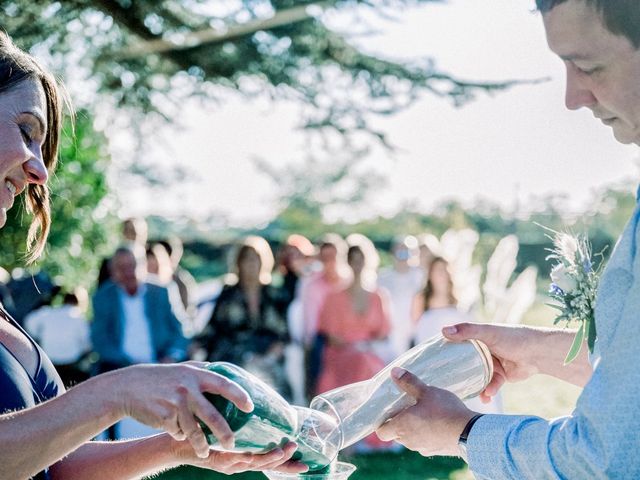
(576, 346)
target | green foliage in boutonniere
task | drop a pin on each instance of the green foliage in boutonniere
(574, 285)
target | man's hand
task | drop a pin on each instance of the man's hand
(433, 425)
(520, 352)
(510, 346)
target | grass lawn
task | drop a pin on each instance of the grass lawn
(541, 395)
(397, 466)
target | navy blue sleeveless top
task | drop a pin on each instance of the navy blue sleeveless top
(18, 389)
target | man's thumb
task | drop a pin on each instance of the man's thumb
(408, 382)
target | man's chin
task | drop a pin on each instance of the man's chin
(626, 137)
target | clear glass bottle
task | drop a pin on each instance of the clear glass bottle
(360, 408)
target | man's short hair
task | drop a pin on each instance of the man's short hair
(621, 17)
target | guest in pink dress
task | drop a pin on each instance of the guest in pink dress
(352, 320)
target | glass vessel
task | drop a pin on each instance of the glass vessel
(273, 421)
(337, 471)
(360, 408)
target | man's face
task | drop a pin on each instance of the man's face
(124, 271)
(603, 69)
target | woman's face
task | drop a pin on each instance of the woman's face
(440, 278)
(356, 261)
(23, 129)
(249, 265)
(152, 264)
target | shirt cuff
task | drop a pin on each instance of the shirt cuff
(496, 444)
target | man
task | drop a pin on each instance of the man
(134, 321)
(599, 42)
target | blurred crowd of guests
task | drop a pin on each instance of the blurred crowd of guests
(312, 318)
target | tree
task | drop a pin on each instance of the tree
(83, 230)
(150, 55)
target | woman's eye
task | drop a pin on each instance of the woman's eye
(25, 135)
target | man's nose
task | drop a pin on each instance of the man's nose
(577, 94)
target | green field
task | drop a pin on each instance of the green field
(406, 466)
(541, 395)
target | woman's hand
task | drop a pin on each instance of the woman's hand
(231, 462)
(171, 397)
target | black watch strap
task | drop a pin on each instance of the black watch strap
(467, 429)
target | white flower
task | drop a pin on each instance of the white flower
(563, 278)
(568, 247)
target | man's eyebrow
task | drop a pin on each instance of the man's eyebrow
(38, 117)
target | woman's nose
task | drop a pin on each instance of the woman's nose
(36, 171)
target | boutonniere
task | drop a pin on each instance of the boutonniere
(574, 283)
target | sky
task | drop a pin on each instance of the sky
(506, 148)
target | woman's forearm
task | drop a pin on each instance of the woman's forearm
(123, 460)
(35, 438)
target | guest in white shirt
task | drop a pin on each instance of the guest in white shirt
(63, 333)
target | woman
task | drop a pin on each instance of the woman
(352, 321)
(437, 307)
(47, 433)
(247, 326)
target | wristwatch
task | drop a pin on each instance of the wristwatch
(462, 441)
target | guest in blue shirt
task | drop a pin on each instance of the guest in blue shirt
(599, 42)
(45, 432)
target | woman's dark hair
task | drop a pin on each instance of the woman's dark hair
(621, 17)
(427, 291)
(353, 250)
(17, 66)
(258, 246)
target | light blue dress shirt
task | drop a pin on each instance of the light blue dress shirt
(601, 438)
